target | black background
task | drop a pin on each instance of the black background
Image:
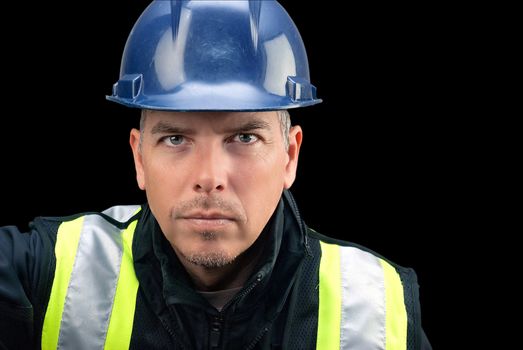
(374, 167)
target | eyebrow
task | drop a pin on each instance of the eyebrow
(250, 125)
(166, 128)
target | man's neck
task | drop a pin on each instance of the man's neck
(232, 275)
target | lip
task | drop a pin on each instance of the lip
(207, 215)
(208, 220)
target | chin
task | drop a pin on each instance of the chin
(210, 258)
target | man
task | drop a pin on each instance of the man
(219, 257)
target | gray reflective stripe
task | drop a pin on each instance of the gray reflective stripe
(363, 301)
(122, 213)
(92, 286)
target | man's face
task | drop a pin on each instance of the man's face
(213, 179)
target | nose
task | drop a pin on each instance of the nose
(210, 171)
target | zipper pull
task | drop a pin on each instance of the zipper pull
(216, 328)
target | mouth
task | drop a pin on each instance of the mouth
(208, 221)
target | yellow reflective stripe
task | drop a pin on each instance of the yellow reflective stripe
(396, 315)
(67, 239)
(122, 315)
(329, 309)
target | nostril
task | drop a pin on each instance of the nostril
(208, 188)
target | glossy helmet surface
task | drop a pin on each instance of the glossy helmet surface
(214, 56)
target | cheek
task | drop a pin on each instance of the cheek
(156, 174)
(259, 186)
(163, 184)
(259, 173)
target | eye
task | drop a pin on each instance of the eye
(174, 140)
(246, 138)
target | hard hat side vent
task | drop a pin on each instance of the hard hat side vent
(128, 87)
(300, 89)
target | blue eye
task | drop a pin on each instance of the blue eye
(246, 138)
(176, 140)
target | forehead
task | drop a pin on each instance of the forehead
(212, 119)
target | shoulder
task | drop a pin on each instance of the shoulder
(43, 230)
(28, 260)
(354, 257)
(119, 215)
(407, 274)
(366, 268)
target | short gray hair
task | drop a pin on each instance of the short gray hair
(285, 122)
(283, 115)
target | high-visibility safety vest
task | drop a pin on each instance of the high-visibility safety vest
(93, 296)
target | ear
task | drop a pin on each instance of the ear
(134, 141)
(295, 138)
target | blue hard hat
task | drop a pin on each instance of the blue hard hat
(195, 55)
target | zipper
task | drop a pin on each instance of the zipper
(258, 338)
(242, 294)
(217, 321)
(170, 331)
(216, 329)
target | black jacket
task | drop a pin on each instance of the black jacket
(277, 308)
